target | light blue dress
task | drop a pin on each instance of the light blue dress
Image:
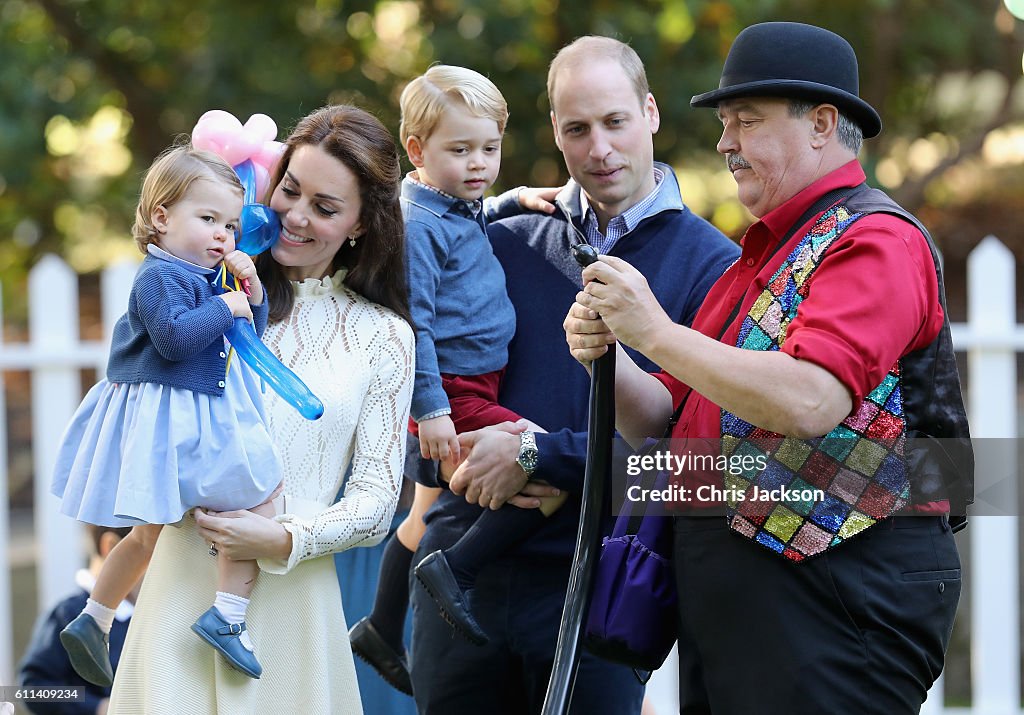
(148, 453)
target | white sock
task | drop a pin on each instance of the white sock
(103, 616)
(233, 607)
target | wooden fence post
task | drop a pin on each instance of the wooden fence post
(992, 370)
(56, 392)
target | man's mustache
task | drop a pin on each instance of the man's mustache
(735, 162)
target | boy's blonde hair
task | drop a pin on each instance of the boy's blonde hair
(424, 100)
(169, 179)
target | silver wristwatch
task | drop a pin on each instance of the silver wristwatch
(528, 455)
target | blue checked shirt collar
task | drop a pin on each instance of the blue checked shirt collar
(656, 201)
(441, 201)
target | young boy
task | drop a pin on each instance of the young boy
(46, 663)
(453, 120)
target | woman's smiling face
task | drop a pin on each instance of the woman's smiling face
(319, 204)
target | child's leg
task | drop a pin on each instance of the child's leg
(377, 638)
(392, 598)
(223, 625)
(448, 574)
(239, 577)
(493, 533)
(235, 581)
(85, 639)
(124, 566)
(410, 531)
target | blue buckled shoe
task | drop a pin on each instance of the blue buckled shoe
(88, 650)
(370, 645)
(436, 576)
(223, 636)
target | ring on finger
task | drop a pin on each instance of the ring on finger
(213, 548)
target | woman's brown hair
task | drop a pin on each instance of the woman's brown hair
(376, 264)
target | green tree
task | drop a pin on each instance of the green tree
(91, 91)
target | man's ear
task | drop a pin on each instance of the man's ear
(824, 123)
(651, 113)
(414, 148)
(554, 128)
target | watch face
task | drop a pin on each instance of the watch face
(528, 460)
(528, 456)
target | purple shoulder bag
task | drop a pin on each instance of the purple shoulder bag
(632, 617)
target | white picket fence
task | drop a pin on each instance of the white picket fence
(991, 337)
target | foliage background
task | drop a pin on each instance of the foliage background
(91, 91)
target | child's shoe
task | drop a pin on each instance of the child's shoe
(88, 650)
(223, 636)
(436, 576)
(370, 645)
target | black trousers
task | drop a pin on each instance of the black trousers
(859, 630)
(519, 607)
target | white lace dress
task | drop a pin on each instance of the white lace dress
(358, 359)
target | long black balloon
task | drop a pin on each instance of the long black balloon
(601, 428)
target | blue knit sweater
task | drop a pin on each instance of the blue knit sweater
(463, 317)
(679, 253)
(173, 332)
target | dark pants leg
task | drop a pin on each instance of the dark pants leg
(519, 607)
(861, 629)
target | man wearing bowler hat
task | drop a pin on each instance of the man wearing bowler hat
(824, 355)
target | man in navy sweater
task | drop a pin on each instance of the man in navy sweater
(624, 204)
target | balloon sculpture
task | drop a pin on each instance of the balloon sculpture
(253, 153)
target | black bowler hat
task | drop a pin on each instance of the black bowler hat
(795, 61)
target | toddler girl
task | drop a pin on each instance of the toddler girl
(177, 423)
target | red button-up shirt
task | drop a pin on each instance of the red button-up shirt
(873, 299)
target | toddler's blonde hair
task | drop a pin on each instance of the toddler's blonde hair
(424, 100)
(169, 179)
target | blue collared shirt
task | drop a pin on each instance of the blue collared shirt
(665, 197)
(475, 207)
(619, 225)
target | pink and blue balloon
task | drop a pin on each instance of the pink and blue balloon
(253, 153)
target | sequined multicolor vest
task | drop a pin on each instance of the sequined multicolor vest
(812, 495)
